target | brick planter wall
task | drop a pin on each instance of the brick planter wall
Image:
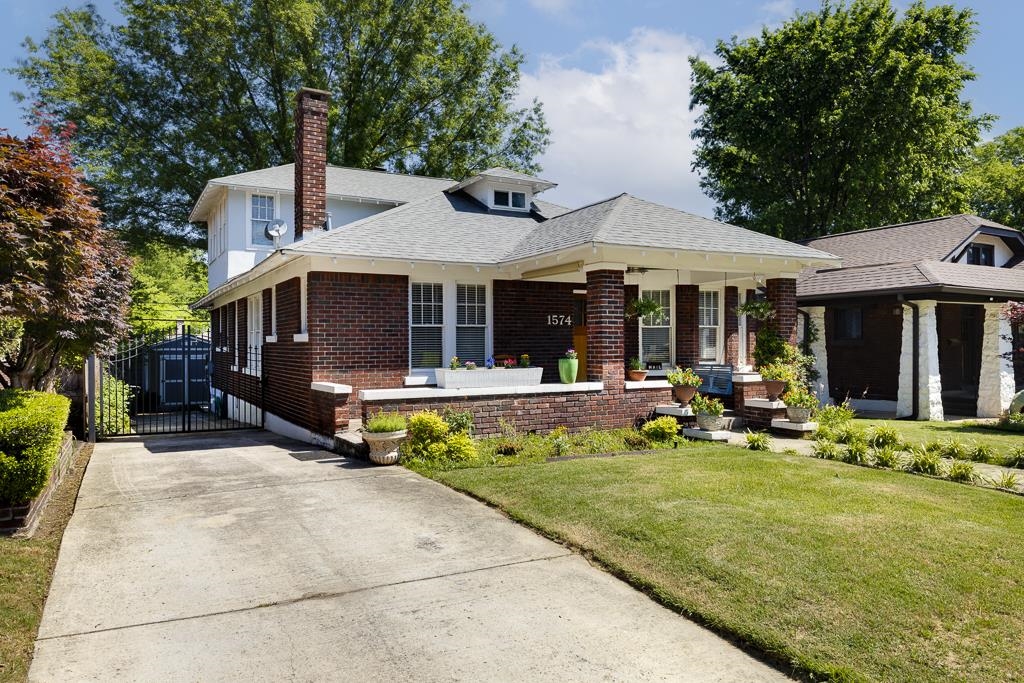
(541, 412)
(761, 418)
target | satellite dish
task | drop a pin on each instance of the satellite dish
(275, 229)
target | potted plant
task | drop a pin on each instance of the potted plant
(643, 307)
(384, 433)
(684, 384)
(454, 363)
(709, 413)
(635, 370)
(568, 367)
(799, 405)
(776, 376)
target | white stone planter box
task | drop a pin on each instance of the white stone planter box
(482, 377)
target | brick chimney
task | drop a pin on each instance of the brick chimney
(310, 160)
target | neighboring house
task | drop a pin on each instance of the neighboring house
(931, 289)
(338, 323)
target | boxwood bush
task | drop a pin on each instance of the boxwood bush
(31, 429)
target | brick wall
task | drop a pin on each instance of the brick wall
(687, 339)
(731, 326)
(310, 160)
(631, 327)
(521, 310)
(543, 412)
(868, 367)
(605, 327)
(286, 363)
(782, 294)
(359, 335)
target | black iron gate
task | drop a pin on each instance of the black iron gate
(165, 383)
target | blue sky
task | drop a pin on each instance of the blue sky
(614, 77)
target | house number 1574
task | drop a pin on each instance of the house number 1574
(560, 320)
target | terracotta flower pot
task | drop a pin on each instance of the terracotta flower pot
(636, 375)
(774, 388)
(684, 394)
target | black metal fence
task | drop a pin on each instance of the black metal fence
(165, 383)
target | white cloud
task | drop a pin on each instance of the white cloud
(623, 126)
(556, 7)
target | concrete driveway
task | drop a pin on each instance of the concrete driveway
(246, 556)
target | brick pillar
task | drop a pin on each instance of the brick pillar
(606, 303)
(732, 326)
(782, 294)
(687, 339)
(310, 160)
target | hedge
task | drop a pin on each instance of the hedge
(31, 429)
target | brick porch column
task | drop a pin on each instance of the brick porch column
(782, 295)
(687, 331)
(606, 302)
(732, 326)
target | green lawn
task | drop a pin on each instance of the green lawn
(922, 432)
(840, 571)
(26, 567)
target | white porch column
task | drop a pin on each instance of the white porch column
(929, 387)
(820, 351)
(905, 396)
(996, 382)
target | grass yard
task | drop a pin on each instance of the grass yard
(921, 432)
(26, 567)
(847, 572)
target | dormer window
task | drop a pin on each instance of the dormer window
(511, 200)
(980, 255)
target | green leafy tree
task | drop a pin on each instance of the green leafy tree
(188, 90)
(844, 118)
(165, 280)
(996, 179)
(63, 279)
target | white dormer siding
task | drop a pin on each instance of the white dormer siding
(232, 249)
(484, 192)
(1001, 251)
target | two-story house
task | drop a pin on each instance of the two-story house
(911, 324)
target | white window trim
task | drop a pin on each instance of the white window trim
(509, 206)
(449, 329)
(249, 244)
(254, 332)
(720, 333)
(671, 326)
(234, 341)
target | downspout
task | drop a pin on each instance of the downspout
(915, 372)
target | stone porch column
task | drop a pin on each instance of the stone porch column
(731, 324)
(782, 295)
(687, 335)
(606, 302)
(820, 351)
(996, 382)
(929, 386)
(905, 395)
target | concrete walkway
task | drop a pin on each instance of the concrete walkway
(245, 556)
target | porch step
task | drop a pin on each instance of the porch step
(351, 444)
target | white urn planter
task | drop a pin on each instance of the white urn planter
(384, 446)
(495, 377)
(798, 415)
(710, 423)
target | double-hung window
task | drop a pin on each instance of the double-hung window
(261, 214)
(471, 323)
(426, 334)
(709, 320)
(656, 329)
(254, 321)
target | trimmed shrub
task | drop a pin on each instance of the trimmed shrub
(661, 429)
(385, 422)
(431, 440)
(31, 428)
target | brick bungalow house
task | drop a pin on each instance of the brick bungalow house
(386, 276)
(910, 324)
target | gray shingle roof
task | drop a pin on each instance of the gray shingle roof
(450, 228)
(453, 228)
(933, 239)
(906, 277)
(626, 220)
